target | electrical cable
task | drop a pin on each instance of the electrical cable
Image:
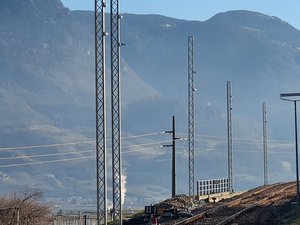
(68, 143)
(65, 160)
(45, 155)
(288, 144)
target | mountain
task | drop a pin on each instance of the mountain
(47, 99)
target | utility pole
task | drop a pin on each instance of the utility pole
(173, 145)
(265, 143)
(229, 133)
(173, 159)
(191, 115)
(115, 18)
(100, 112)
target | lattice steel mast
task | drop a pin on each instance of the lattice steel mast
(191, 115)
(116, 112)
(229, 133)
(265, 142)
(100, 111)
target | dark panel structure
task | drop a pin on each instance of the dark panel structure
(213, 186)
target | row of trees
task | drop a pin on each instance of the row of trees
(24, 209)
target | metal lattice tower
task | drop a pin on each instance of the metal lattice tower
(265, 143)
(229, 133)
(191, 115)
(100, 111)
(116, 112)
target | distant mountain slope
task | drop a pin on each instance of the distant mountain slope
(47, 97)
(237, 46)
(47, 88)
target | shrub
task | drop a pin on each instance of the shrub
(24, 209)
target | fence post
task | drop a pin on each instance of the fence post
(85, 220)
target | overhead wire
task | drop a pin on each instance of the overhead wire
(45, 162)
(44, 155)
(239, 150)
(69, 143)
(65, 160)
(42, 146)
(142, 135)
(208, 137)
(78, 152)
(128, 146)
(278, 145)
(137, 150)
(129, 151)
(137, 145)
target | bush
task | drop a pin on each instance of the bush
(24, 209)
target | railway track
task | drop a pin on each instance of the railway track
(230, 210)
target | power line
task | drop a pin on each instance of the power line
(248, 143)
(198, 150)
(141, 135)
(45, 162)
(70, 159)
(240, 150)
(69, 143)
(258, 141)
(246, 139)
(77, 152)
(141, 150)
(137, 145)
(42, 146)
(44, 155)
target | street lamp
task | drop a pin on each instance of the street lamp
(294, 97)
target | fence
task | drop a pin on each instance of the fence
(11, 215)
(80, 219)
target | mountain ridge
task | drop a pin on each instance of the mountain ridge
(47, 80)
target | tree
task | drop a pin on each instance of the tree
(24, 209)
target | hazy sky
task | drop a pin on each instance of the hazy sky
(287, 10)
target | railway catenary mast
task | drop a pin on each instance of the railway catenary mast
(265, 142)
(115, 110)
(229, 133)
(191, 115)
(101, 108)
(100, 111)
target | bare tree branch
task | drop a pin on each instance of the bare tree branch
(24, 210)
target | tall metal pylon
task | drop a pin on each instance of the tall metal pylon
(265, 142)
(191, 115)
(100, 112)
(229, 134)
(116, 111)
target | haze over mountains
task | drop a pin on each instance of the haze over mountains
(47, 97)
